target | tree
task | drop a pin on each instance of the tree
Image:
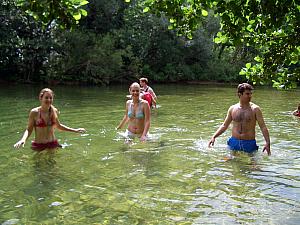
(271, 27)
(104, 16)
(24, 46)
(65, 13)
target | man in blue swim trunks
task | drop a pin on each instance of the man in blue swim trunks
(243, 116)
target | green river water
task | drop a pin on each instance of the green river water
(172, 179)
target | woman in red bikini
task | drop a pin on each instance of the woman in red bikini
(44, 119)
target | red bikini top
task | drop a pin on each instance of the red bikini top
(42, 123)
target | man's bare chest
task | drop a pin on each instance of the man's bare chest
(240, 115)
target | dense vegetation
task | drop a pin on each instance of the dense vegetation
(270, 28)
(113, 41)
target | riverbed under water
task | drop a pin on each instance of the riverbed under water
(172, 179)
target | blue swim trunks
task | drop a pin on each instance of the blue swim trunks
(242, 145)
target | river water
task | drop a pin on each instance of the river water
(172, 179)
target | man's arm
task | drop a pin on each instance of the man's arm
(264, 130)
(150, 90)
(222, 128)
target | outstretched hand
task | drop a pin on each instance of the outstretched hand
(19, 144)
(211, 142)
(80, 130)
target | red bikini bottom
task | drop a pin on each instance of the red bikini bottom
(42, 146)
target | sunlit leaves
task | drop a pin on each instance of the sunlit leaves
(146, 9)
(83, 12)
(77, 16)
(184, 14)
(221, 38)
(64, 13)
(204, 12)
(83, 3)
(258, 59)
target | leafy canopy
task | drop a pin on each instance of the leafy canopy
(65, 13)
(271, 27)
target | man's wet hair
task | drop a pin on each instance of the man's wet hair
(143, 79)
(244, 86)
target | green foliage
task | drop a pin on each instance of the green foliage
(104, 16)
(164, 55)
(271, 27)
(64, 13)
(90, 58)
(24, 46)
(115, 42)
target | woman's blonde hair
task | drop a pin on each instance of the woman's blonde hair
(134, 84)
